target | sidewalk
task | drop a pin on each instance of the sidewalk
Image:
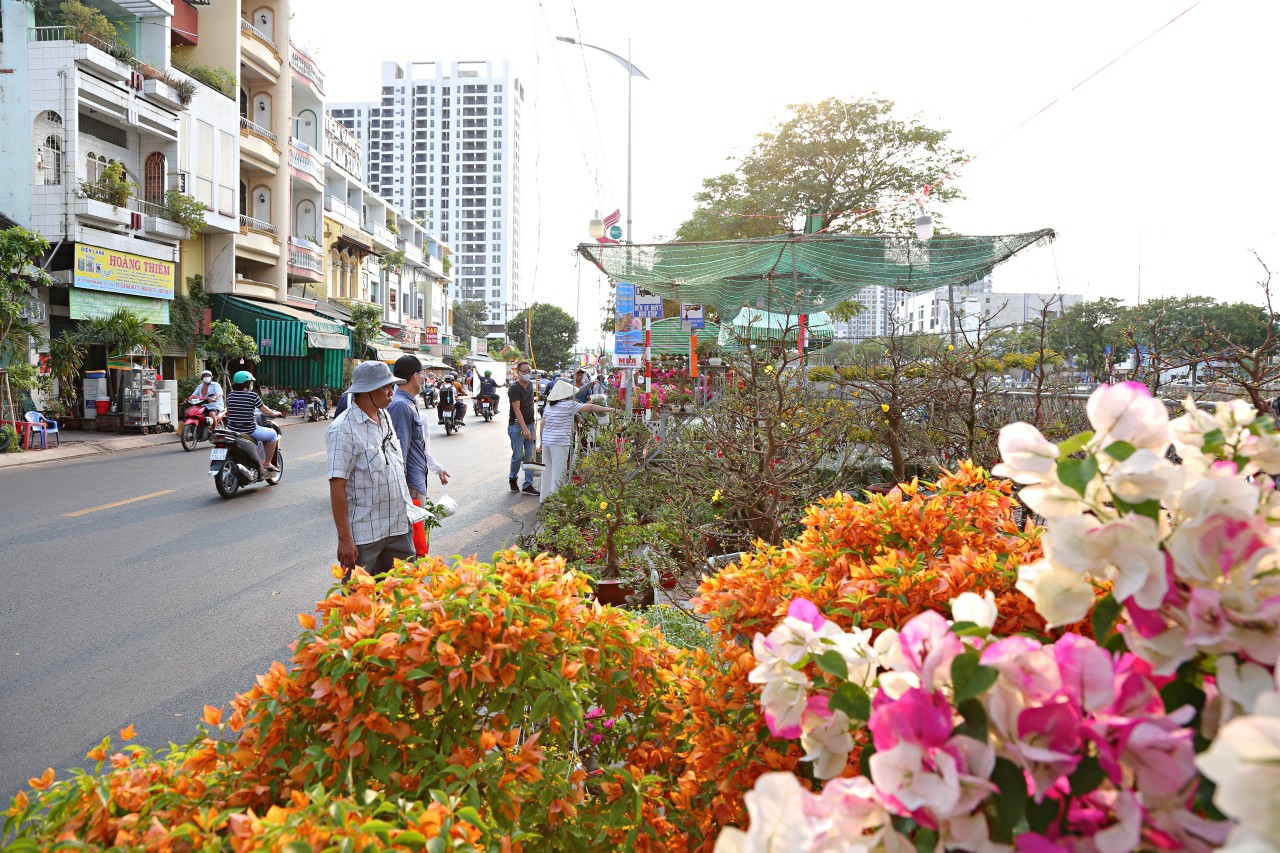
(79, 444)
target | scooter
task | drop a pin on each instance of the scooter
(446, 418)
(236, 461)
(484, 408)
(430, 396)
(197, 423)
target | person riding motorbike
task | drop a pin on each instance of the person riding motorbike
(489, 389)
(242, 404)
(211, 393)
(451, 394)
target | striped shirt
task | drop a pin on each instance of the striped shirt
(241, 408)
(366, 454)
(557, 421)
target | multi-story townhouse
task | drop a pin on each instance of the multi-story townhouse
(101, 139)
(444, 142)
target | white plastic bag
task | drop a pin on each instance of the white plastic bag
(448, 506)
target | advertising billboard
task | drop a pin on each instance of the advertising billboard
(121, 272)
(93, 304)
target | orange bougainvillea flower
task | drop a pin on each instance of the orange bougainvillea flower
(127, 733)
(44, 781)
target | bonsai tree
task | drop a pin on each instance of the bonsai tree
(123, 333)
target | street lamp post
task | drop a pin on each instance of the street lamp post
(632, 71)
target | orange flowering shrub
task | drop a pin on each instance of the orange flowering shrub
(436, 707)
(872, 564)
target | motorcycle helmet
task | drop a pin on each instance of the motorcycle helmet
(449, 377)
(488, 373)
(242, 376)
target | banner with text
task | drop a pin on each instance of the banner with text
(93, 304)
(121, 272)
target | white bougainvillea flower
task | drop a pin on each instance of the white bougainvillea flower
(978, 609)
(1061, 596)
(1026, 456)
(1144, 476)
(1129, 548)
(775, 807)
(1244, 762)
(1128, 412)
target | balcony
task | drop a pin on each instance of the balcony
(305, 164)
(412, 254)
(257, 240)
(90, 56)
(158, 222)
(258, 146)
(258, 52)
(102, 212)
(163, 94)
(341, 212)
(305, 70)
(306, 260)
(383, 237)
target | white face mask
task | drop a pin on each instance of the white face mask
(525, 376)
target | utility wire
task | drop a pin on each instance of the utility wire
(591, 98)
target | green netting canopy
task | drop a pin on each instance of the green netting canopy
(802, 273)
(667, 338)
(754, 324)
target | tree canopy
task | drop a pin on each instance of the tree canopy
(226, 345)
(366, 323)
(469, 320)
(20, 251)
(838, 156)
(554, 332)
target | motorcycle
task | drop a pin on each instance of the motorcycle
(317, 409)
(430, 396)
(236, 461)
(197, 423)
(446, 418)
(484, 408)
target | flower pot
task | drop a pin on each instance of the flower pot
(613, 592)
(667, 579)
(111, 422)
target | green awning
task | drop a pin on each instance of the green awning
(667, 338)
(754, 324)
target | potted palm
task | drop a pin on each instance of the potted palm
(66, 356)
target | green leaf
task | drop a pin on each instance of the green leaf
(833, 664)
(1078, 473)
(1214, 440)
(1041, 815)
(969, 629)
(969, 677)
(1105, 614)
(864, 760)
(975, 723)
(852, 700)
(1180, 692)
(1011, 801)
(926, 840)
(1120, 450)
(1151, 509)
(1075, 443)
(1089, 775)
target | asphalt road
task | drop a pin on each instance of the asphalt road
(134, 594)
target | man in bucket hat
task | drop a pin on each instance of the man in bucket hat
(372, 510)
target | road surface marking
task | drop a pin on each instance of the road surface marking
(119, 503)
(312, 455)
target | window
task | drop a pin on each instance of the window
(48, 145)
(153, 178)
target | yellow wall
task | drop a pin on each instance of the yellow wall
(190, 262)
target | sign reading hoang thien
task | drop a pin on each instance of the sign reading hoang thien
(121, 272)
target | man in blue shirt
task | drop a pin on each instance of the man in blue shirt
(407, 420)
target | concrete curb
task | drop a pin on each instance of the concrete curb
(83, 449)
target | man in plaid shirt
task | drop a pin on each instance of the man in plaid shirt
(372, 510)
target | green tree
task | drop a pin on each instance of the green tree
(123, 333)
(554, 333)
(366, 323)
(836, 156)
(227, 346)
(1087, 329)
(20, 251)
(469, 319)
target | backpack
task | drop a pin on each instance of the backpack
(446, 394)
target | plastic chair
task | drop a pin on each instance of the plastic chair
(39, 423)
(299, 406)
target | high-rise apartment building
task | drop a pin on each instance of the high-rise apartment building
(873, 321)
(443, 143)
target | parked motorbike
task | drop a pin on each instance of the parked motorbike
(197, 423)
(317, 409)
(430, 396)
(235, 461)
(484, 408)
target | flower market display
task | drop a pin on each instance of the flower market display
(1161, 738)
(928, 669)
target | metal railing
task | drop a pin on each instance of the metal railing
(304, 158)
(257, 129)
(257, 225)
(382, 232)
(304, 257)
(254, 31)
(304, 65)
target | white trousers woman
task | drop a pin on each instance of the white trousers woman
(555, 461)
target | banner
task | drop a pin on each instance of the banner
(121, 272)
(431, 336)
(93, 304)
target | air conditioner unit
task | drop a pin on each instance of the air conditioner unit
(66, 277)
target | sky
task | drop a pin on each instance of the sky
(1158, 172)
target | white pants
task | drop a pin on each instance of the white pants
(555, 459)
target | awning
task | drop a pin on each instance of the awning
(326, 340)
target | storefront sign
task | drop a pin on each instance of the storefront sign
(431, 335)
(94, 304)
(121, 272)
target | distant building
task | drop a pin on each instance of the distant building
(929, 312)
(444, 143)
(873, 322)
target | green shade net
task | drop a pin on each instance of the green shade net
(756, 325)
(667, 338)
(802, 274)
